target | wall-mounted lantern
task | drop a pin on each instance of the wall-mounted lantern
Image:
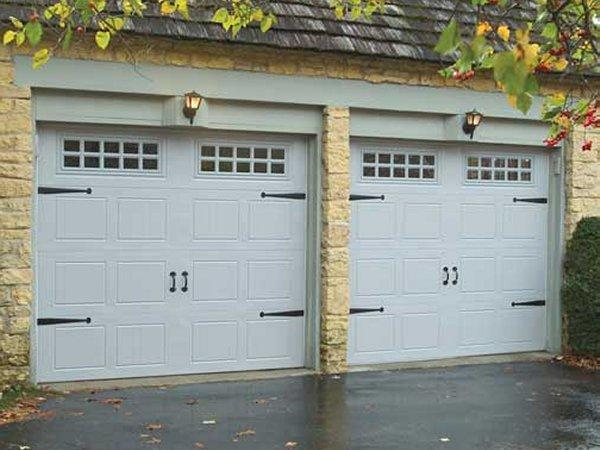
(192, 102)
(472, 121)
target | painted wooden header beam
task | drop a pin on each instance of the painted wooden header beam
(168, 81)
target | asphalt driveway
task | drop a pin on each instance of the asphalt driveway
(498, 406)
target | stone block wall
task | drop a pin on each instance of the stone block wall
(582, 178)
(335, 218)
(16, 175)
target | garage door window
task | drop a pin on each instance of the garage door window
(242, 160)
(395, 165)
(499, 169)
(111, 155)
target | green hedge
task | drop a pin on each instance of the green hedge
(581, 289)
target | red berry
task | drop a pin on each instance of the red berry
(542, 67)
(565, 113)
(591, 121)
(587, 146)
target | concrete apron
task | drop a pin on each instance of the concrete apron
(175, 380)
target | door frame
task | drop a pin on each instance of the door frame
(312, 147)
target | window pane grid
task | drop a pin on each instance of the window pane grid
(242, 160)
(110, 155)
(499, 169)
(395, 165)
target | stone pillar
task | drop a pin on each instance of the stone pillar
(582, 171)
(335, 289)
(16, 180)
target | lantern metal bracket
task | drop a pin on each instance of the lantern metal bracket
(471, 121)
(191, 104)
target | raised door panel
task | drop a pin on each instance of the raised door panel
(132, 313)
(408, 284)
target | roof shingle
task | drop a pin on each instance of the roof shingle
(407, 29)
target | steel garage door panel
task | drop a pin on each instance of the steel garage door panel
(172, 266)
(447, 253)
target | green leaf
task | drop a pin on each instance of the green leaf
(228, 22)
(220, 15)
(102, 39)
(100, 5)
(543, 17)
(257, 15)
(182, 8)
(447, 72)
(466, 59)
(33, 32)
(512, 74)
(40, 57)
(550, 31)
(115, 23)
(531, 85)
(66, 41)
(478, 46)
(550, 113)
(8, 37)
(487, 62)
(266, 23)
(16, 22)
(20, 38)
(449, 39)
(524, 102)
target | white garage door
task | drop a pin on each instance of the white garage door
(448, 263)
(179, 255)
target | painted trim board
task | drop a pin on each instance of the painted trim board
(99, 76)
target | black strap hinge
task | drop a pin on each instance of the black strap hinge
(53, 190)
(365, 310)
(57, 321)
(293, 313)
(531, 303)
(292, 195)
(542, 200)
(354, 197)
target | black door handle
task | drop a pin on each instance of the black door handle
(184, 274)
(172, 288)
(455, 270)
(445, 282)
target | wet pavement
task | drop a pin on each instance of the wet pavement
(497, 406)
